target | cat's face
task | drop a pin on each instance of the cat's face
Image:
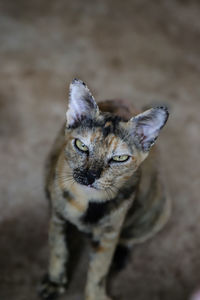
(102, 150)
(98, 156)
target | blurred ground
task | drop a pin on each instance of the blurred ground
(146, 51)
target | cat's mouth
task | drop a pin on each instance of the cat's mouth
(89, 187)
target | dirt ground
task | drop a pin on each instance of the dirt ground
(145, 51)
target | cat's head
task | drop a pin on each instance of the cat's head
(103, 150)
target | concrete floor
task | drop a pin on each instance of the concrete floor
(146, 51)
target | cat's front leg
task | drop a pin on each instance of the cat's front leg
(106, 238)
(100, 261)
(54, 283)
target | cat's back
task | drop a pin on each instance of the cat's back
(121, 107)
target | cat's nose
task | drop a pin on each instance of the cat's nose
(87, 177)
(90, 178)
(92, 175)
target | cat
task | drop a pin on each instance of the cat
(102, 179)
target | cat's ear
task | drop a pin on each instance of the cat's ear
(147, 125)
(81, 103)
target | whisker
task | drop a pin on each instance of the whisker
(109, 192)
(66, 179)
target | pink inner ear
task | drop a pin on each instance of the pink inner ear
(147, 136)
(146, 133)
(81, 102)
(75, 114)
(149, 130)
(148, 125)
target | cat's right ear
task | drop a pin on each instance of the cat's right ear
(81, 103)
(147, 125)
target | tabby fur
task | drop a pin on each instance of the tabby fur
(118, 204)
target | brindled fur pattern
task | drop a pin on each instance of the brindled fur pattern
(103, 178)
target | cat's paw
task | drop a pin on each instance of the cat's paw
(50, 290)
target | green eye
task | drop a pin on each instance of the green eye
(81, 146)
(120, 158)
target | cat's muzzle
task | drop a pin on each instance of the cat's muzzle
(86, 177)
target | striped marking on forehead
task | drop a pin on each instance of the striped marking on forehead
(110, 125)
(110, 139)
(95, 135)
(106, 121)
(112, 142)
(104, 132)
(106, 144)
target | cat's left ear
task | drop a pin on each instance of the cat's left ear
(81, 103)
(147, 125)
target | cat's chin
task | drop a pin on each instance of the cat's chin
(92, 187)
(89, 187)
